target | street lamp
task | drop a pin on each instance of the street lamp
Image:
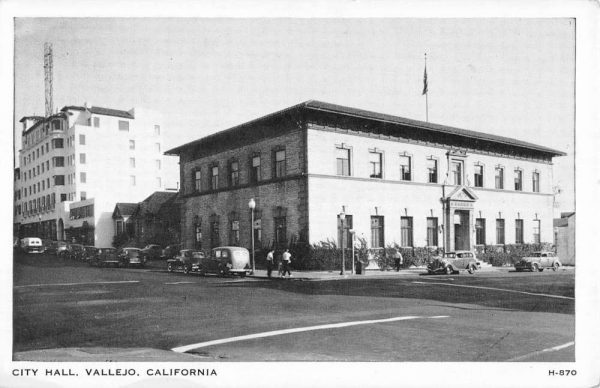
(353, 233)
(342, 222)
(252, 205)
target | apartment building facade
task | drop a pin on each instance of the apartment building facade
(76, 164)
(396, 181)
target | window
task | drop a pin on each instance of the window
(157, 130)
(131, 144)
(63, 197)
(536, 182)
(406, 230)
(375, 164)
(536, 232)
(432, 231)
(518, 180)
(377, 240)
(280, 168)
(82, 158)
(499, 231)
(234, 173)
(343, 161)
(197, 180)
(198, 232)
(158, 164)
(97, 123)
(345, 232)
(132, 180)
(405, 168)
(257, 227)
(82, 139)
(157, 147)
(158, 182)
(480, 231)
(518, 231)
(234, 233)
(57, 143)
(59, 180)
(43, 185)
(123, 125)
(456, 171)
(43, 165)
(56, 125)
(432, 169)
(214, 178)
(47, 147)
(255, 169)
(214, 232)
(47, 165)
(83, 195)
(280, 231)
(132, 162)
(82, 177)
(478, 178)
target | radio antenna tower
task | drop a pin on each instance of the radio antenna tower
(48, 70)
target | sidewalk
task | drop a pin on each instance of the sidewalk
(335, 275)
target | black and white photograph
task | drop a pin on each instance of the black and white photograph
(353, 194)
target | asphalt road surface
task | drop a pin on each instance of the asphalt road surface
(489, 316)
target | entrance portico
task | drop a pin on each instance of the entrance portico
(458, 219)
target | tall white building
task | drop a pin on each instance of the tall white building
(74, 166)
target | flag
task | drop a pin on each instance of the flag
(425, 80)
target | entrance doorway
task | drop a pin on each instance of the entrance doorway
(461, 230)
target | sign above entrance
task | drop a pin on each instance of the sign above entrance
(461, 204)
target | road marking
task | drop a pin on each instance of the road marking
(183, 349)
(553, 349)
(498, 289)
(76, 284)
(182, 283)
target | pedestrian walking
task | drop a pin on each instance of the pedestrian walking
(270, 262)
(286, 259)
(398, 260)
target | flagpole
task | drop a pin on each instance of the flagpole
(426, 91)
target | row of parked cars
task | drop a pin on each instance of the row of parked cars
(454, 262)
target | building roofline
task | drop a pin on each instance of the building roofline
(315, 105)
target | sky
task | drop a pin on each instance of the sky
(510, 77)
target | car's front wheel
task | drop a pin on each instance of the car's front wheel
(534, 268)
(555, 267)
(471, 269)
(170, 267)
(449, 270)
(186, 269)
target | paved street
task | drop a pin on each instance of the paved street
(107, 313)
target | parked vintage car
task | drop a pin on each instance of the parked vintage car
(225, 261)
(76, 252)
(131, 257)
(50, 247)
(170, 251)
(187, 260)
(32, 245)
(89, 252)
(152, 251)
(453, 262)
(106, 257)
(62, 248)
(538, 261)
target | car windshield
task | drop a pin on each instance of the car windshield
(537, 254)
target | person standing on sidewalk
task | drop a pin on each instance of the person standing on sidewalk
(270, 263)
(286, 259)
(398, 260)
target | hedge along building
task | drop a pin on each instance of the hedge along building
(398, 182)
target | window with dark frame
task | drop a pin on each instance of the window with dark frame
(280, 165)
(456, 171)
(280, 231)
(500, 231)
(255, 169)
(348, 225)
(536, 182)
(406, 231)
(478, 177)
(234, 173)
(214, 232)
(377, 231)
(97, 123)
(123, 125)
(342, 161)
(518, 180)
(518, 231)
(499, 178)
(375, 159)
(197, 180)
(432, 231)
(480, 231)
(432, 170)
(214, 178)
(405, 173)
(234, 232)
(536, 232)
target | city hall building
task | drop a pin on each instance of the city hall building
(396, 181)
